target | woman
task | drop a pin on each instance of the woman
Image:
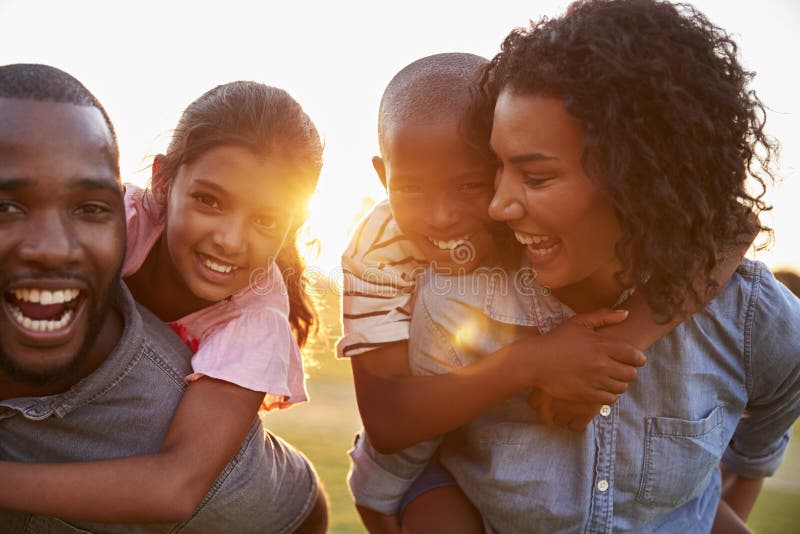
(624, 133)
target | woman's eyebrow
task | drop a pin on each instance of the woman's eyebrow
(533, 156)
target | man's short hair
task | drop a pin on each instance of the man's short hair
(32, 81)
(428, 89)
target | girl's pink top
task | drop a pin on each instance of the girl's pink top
(245, 339)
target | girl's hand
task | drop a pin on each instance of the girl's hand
(575, 363)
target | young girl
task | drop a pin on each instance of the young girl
(211, 250)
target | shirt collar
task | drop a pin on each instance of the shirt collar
(121, 360)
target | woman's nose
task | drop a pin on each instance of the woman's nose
(505, 206)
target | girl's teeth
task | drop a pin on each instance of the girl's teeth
(45, 297)
(218, 267)
(41, 325)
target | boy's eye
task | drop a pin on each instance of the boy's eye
(206, 200)
(407, 189)
(475, 186)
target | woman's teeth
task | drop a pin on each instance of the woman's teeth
(530, 239)
(45, 297)
(41, 325)
(449, 245)
(218, 267)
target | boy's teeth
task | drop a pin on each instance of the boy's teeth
(449, 245)
(219, 267)
(45, 297)
(41, 325)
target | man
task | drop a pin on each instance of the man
(84, 373)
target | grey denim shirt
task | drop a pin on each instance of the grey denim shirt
(723, 386)
(124, 408)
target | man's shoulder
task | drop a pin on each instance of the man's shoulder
(163, 345)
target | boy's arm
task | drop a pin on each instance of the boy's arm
(208, 427)
(399, 410)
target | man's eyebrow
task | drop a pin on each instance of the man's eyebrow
(98, 183)
(13, 184)
(533, 156)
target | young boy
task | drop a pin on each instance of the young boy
(439, 185)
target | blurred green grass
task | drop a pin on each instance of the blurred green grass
(324, 428)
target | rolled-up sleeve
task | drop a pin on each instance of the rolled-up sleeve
(772, 358)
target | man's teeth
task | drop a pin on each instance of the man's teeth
(449, 245)
(528, 239)
(45, 297)
(41, 325)
(219, 267)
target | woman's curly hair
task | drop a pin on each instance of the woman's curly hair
(672, 131)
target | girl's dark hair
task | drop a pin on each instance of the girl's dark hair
(270, 123)
(672, 131)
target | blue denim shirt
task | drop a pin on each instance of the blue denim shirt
(723, 386)
(124, 408)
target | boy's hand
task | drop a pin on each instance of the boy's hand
(549, 410)
(575, 363)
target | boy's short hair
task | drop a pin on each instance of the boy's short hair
(429, 88)
(31, 81)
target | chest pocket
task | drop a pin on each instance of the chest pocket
(680, 457)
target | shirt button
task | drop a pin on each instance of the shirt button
(602, 485)
(605, 410)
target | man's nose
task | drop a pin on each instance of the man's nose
(50, 240)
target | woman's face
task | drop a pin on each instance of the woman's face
(567, 225)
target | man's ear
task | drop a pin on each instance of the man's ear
(380, 168)
(158, 183)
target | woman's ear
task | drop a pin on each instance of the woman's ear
(158, 183)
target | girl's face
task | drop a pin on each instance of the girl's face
(567, 225)
(228, 214)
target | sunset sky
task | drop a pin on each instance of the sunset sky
(147, 60)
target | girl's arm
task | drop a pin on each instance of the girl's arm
(208, 427)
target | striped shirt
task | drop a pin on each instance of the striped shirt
(380, 267)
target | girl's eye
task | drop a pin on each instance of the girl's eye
(206, 200)
(266, 222)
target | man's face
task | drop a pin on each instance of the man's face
(62, 237)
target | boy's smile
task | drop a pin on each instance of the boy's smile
(439, 191)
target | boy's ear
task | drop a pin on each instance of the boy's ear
(157, 181)
(380, 168)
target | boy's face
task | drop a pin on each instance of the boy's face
(62, 239)
(439, 191)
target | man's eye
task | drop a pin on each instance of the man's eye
(9, 208)
(206, 200)
(93, 209)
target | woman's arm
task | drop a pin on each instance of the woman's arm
(207, 429)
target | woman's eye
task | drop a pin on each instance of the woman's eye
(206, 200)
(534, 181)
